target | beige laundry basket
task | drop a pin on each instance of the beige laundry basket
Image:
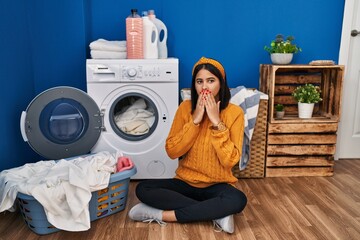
(256, 166)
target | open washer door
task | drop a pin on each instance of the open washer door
(61, 122)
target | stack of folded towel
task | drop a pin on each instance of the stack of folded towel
(104, 49)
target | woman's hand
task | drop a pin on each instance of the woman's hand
(212, 108)
(200, 109)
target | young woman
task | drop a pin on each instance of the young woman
(207, 134)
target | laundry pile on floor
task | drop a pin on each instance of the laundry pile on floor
(104, 49)
(62, 187)
(136, 118)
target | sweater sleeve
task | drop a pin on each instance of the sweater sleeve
(182, 134)
(228, 143)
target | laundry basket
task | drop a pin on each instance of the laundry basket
(103, 203)
(256, 166)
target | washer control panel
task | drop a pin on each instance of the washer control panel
(132, 70)
(139, 72)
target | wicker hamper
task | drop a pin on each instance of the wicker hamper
(256, 166)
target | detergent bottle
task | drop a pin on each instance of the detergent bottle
(162, 31)
(150, 38)
(134, 36)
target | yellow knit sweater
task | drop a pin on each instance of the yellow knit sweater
(208, 155)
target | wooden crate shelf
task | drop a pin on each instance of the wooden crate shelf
(301, 147)
(279, 81)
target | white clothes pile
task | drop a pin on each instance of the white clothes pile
(62, 187)
(104, 49)
(135, 119)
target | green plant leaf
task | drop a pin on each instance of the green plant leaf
(279, 45)
(307, 93)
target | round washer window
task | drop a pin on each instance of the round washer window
(134, 116)
(63, 121)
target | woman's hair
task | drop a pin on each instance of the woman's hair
(224, 92)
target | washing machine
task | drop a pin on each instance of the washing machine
(141, 91)
(129, 107)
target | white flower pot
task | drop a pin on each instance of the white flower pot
(281, 58)
(305, 110)
(280, 114)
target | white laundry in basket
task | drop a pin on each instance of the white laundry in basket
(63, 187)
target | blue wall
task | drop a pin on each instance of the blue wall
(44, 43)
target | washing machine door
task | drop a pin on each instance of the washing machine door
(61, 122)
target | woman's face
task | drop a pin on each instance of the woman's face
(205, 80)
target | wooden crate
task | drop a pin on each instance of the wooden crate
(279, 81)
(301, 147)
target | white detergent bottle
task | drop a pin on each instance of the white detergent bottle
(150, 38)
(162, 30)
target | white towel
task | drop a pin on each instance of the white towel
(105, 45)
(101, 54)
(103, 162)
(64, 193)
(19, 179)
(62, 188)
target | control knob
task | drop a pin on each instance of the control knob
(131, 72)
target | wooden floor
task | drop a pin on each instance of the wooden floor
(278, 208)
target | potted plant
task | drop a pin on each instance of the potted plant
(281, 50)
(280, 112)
(306, 96)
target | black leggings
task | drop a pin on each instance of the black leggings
(190, 203)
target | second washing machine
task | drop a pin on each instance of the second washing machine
(137, 100)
